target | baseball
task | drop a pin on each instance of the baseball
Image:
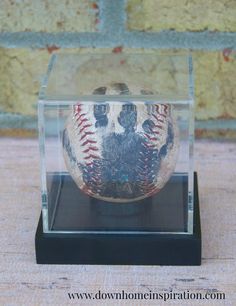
(120, 151)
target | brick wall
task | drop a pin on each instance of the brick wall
(31, 30)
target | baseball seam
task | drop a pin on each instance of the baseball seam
(89, 145)
(159, 119)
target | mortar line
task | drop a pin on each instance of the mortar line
(161, 40)
(112, 17)
(113, 33)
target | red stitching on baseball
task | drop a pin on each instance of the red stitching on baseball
(148, 145)
(150, 138)
(153, 191)
(78, 108)
(90, 149)
(88, 141)
(91, 156)
(89, 145)
(86, 134)
(158, 126)
(165, 108)
(89, 164)
(79, 116)
(84, 127)
(148, 187)
(155, 132)
(158, 111)
(158, 119)
(82, 121)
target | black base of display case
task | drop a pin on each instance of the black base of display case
(115, 247)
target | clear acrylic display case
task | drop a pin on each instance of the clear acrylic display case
(116, 135)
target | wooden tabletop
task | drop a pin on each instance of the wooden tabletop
(23, 282)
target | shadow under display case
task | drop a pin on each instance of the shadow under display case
(116, 136)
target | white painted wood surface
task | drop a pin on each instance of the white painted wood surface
(23, 282)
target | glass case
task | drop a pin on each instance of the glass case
(116, 138)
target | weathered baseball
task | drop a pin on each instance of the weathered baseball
(120, 151)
